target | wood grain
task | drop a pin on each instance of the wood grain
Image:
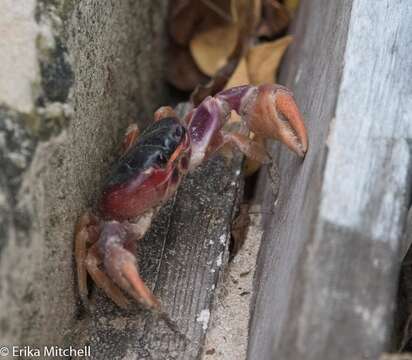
(329, 265)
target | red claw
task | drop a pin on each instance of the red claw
(120, 263)
(274, 114)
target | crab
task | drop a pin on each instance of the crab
(151, 167)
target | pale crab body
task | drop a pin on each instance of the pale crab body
(152, 166)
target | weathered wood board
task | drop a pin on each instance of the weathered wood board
(402, 332)
(330, 259)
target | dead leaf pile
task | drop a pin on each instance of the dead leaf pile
(217, 44)
(206, 35)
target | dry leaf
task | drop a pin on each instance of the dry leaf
(275, 19)
(222, 9)
(184, 16)
(256, 8)
(211, 49)
(291, 5)
(247, 14)
(182, 71)
(224, 74)
(263, 60)
(250, 166)
(220, 79)
(240, 76)
(187, 17)
(216, 84)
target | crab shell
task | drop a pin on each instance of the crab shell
(149, 173)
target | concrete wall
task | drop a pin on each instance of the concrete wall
(73, 74)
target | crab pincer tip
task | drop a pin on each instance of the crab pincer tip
(292, 131)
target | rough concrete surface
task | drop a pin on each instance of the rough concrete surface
(395, 356)
(73, 74)
(227, 336)
(19, 66)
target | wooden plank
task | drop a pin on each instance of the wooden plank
(402, 332)
(330, 260)
(181, 258)
(407, 238)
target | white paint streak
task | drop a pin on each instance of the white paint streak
(298, 75)
(203, 318)
(219, 260)
(18, 58)
(373, 319)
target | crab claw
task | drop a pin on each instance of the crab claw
(272, 112)
(164, 112)
(121, 265)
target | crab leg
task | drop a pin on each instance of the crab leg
(93, 261)
(121, 264)
(86, 233)
(267, 110)
(204, 124)
(122, 267)
(250, 148)
(130, 138)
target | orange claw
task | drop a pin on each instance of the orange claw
(121, 264)
(298, 140)
(140, 291)
(164, 112)
(274, 114)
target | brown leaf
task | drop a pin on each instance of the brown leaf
(256, 11)
(247, 14)
(220, 79)
(275, 19)
(264, 59)
(220, 8)
(188, 17)
(216, 84)
(291, 5)
(182, 71)
(211, 49)
(240, 76)
(184, 16)
(224, 74)
(250, 166)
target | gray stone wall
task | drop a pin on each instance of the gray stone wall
(73, 74)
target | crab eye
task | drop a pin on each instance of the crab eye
(178, 132)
